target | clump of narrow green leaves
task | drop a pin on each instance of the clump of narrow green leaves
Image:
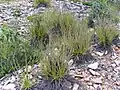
(67, 23)
(26, 83)
(14, 51)
(8, 44)
(37, 30)
(102, 9)
(54, 64)
(43, 23)
(78, 40)
(116, 3)
(52, 23)
(37, 27)
(106, 34)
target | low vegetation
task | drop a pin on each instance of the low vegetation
(102, 9)
(9, 41)
(3, 1)
(15, 51)
(106, 34)
(72, 30)
(54, 64)
(55, 37)
(75, 41)
(26, 83)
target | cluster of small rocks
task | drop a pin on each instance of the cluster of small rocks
(9, 82)
(14, 81)
(78, 9)
(15, 13)
(104, 74)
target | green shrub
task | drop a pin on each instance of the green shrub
(37, 30)
(46, 21)
(116, 3)
(102, 9)
(54, 63)
(14, 51)
(8, 43)
(106, 34)
(43, 23)
(37, 2)
(52, 23)
(37, 27)
(67, 23)
(26, 83)
(78, 40)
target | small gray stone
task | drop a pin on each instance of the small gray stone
(20, 71)
(96, 80)
(91, 88)
(93, 66)
(117, 62)
(75, 86)
(9, 87)
(70, 62)
(95, 86)
(117, 69)
(113, 65)
(13, 79)
(93, 72)
(99, 53)
(1, 87)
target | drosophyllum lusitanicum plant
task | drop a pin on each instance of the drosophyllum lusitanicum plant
(54, 67)
(78, 40)
(106, 34)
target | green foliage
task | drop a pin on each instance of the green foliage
(42, 23)
(67, 23)
(102, 9)
(26, 83)
(8, 43)
(37, 2)
(50, 22)
(14, 51)
(106, 34)
(116, 3)
(68, 26)
(37, 28)
(4, 1)
(78, 40)
(54, 64)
